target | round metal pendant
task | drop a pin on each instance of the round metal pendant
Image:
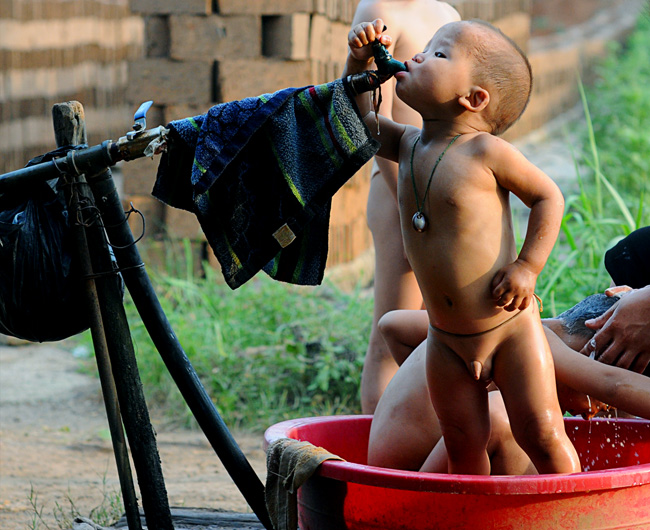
(419, 222)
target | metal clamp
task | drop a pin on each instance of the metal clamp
(139, 120)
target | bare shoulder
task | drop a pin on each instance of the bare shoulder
(450, 11)
(369, 10)
(409, 20)
(492, 148)
(409, 135)
(418, 20)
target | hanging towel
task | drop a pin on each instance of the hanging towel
(289, 463)
(260, 174)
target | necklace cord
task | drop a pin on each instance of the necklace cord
(426, 191)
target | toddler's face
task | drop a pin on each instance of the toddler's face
(439, 74)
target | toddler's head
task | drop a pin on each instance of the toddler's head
(501, 67)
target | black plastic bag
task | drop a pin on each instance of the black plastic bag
(41, 291)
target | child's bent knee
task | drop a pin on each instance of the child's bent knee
(459, 439)
(541, 436)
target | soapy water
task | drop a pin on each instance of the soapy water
(613, 439)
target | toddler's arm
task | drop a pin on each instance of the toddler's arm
(514, 285)
(360, 59)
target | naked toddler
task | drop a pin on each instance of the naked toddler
(455, 175)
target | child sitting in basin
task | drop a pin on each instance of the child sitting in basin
(455, 175)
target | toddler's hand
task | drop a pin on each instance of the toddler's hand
(513, 286)
(364, 34)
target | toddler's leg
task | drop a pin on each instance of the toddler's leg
(506, 455)
(461, 404)
(523, 371)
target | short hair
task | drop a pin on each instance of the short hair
(502, 65)
(573, 319)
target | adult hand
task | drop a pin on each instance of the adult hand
(623, 332)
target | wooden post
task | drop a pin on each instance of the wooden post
(104, 294)
(69, 123)
(70, 129)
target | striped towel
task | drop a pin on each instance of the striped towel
(260, 173)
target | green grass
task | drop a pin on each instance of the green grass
(613, 174)
(265, 352)
(106, 513)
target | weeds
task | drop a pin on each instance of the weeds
(612, 171)
(37, 520)
(266, 352)
(105, 513)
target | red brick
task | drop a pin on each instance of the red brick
(263, 7)
(180, 112)
(215, 37)
(517, 27)
(7, 9)
(176, 7)
(319, 38)
(156, 36)
(320, 7)
(286, 36)
(349, 233)
(349, 8)
(170, 82)
(339, 43)
(262, 76)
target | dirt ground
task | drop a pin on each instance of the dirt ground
(55, 445)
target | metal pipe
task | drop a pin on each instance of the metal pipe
(89, 160)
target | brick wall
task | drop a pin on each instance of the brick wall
(199, 53)
(58, 50)
(558, 59)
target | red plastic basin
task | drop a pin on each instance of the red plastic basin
(613, 493)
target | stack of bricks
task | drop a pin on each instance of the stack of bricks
(60, 50)
(199, 53)
(558, 60)
(511, 16)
